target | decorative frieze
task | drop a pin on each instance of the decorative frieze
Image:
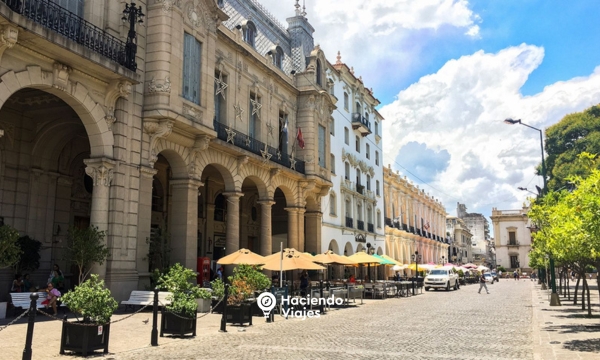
(100, 170)
(160, 87)
(156, 130)
(8, 38)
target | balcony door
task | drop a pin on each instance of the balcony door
(74, 6)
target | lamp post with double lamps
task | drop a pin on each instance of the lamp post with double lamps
(416, 257)
(442, 260)
(554, 299)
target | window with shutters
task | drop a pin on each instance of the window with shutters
(376, 127)
(377, 158)
(357, 144)
(347, 170)
(332, 204)
(377, 187)
(254, 116)
(346, 136)
(322, 132)
(368, 182)
(346, 101)
(192, 50)
(74, 6)
(367, 151)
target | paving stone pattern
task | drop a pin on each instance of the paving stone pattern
(436, 325)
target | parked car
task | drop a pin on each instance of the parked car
(441, 279)
(489, 278)
(494, 276)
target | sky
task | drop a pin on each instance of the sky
(448, 72)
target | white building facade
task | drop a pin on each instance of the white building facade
(512, 238)
(460, 239)
(479, 227)
(353, 209)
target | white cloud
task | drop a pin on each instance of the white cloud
(362, 29)
(460, 109)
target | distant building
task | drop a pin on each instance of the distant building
(512, 238)
(460, 239)
(479, 226)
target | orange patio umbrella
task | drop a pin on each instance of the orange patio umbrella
(334, 259)
(242, 256)
(291, 260)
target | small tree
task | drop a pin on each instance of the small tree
(92, 300)
(30, 258)
(10, 252)
(159, 249)
(84, 248)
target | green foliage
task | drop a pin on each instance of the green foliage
(92, 300)
(84, 248)
(218, 288)
(501, 268)
(10, 251)
(246, 280)
(159, 249)
(178, 281)
(565, 140)
(30, 258)
(460, 273)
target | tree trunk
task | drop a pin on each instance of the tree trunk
(575, 291)
(583, 293)
(588, 299)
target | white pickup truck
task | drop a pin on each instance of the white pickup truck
(441, 279)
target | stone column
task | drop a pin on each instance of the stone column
(293, 241)
(209, 230)
(184, 222)
(266, 238)
(232, 238)
(301, 234)
(144, 224)
(101, 172)
(313, 232)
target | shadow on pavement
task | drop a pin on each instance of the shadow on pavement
(573, 329)
(589, 345)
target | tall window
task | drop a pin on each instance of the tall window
(346, 101)
(357, 144)
(319, 69)
(514, 261)
(74, 6)
(376, 127)
(512, 238)
(250, 33)
(358, 177)
(378, 219)
(377, 158)
(332, 127)
(220, 97)
(347, 170)
(346, 136)
(377, 187)
(332, 163)
(283, 132)
(278, 57)
(358, 108)
(254, 118)
(322, 133)
(332, 204)
(368, 151)
(368, 182)
(191, 68)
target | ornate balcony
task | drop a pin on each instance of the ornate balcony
(361, 124)
(370, 227)
(58, 19)
(513, 243)
(349, 222)
(360, 224)
(388, 222)
(248, 143)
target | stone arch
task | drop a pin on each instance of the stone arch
(50, 136)
(258, 176)
(225, 164)
(379, 250)
(176, 155)
(359, 248)
(74, 94)
(289, 188)
(333, 246)
(348, 250)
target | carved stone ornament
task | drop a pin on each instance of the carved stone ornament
(156, 130)
(100, 170)
(110, 118)
(200, 144)
(195, 16)
(192, 113)
(156, 87)
(8, 38)
(61, 76)
(168, 4)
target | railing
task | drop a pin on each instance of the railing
(357, 118)
(361, 224)
(397, 225)
(56, 18)
(412, 229)
(513, 243)
(370, 227)
(360, 189)
(246, 142)
(405, 227)
(388, 222)
(349, 222)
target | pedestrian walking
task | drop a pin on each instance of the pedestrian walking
(482, 283)
(515, 275)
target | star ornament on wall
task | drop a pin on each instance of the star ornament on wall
(266, 155)
(230, 135)
(292, 163)
(248, 141)
(221, 86)
(270, 128)
(278, 155)
(255, 107)
(238, 111)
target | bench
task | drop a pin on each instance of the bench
(23, 300)
(143, 298)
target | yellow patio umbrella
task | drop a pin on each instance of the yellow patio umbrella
(277, 255)
(392, 259)
(290, 261)
(362, 257)
(242, 256)
(334, 259)
(412, 267)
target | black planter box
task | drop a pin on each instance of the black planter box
(84, 339)
(219, 308)
(239, 314)
(172, 324)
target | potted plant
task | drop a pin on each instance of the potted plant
(246, 282)
(204, 300)
(10, 254)
(94, 302)
(179, 316)
(218, 290)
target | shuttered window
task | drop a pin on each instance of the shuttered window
(322, 146)
(191, 68)
(74, 6)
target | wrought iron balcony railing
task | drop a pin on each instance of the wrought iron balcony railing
(246, 142)
(361, 224)
(360, 122)
(349, 222)
(370, 227)
(58, 19)
(388, 222)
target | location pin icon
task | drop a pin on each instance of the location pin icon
(266, 302)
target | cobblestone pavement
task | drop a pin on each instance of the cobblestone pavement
(436, 325)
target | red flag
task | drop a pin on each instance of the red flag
(300, 139)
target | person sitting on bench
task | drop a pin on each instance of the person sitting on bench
(52, 298)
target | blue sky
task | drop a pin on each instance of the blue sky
(447, 72)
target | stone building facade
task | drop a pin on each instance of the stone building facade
(479, 226)
(194, 136)
(414, 221)
(459, 237)
(353, 209)
(512, 237)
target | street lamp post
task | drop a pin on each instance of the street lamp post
(442, 260)
(416, 257)
(133, 14)
(554, 299)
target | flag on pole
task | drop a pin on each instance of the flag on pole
(300, 139)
